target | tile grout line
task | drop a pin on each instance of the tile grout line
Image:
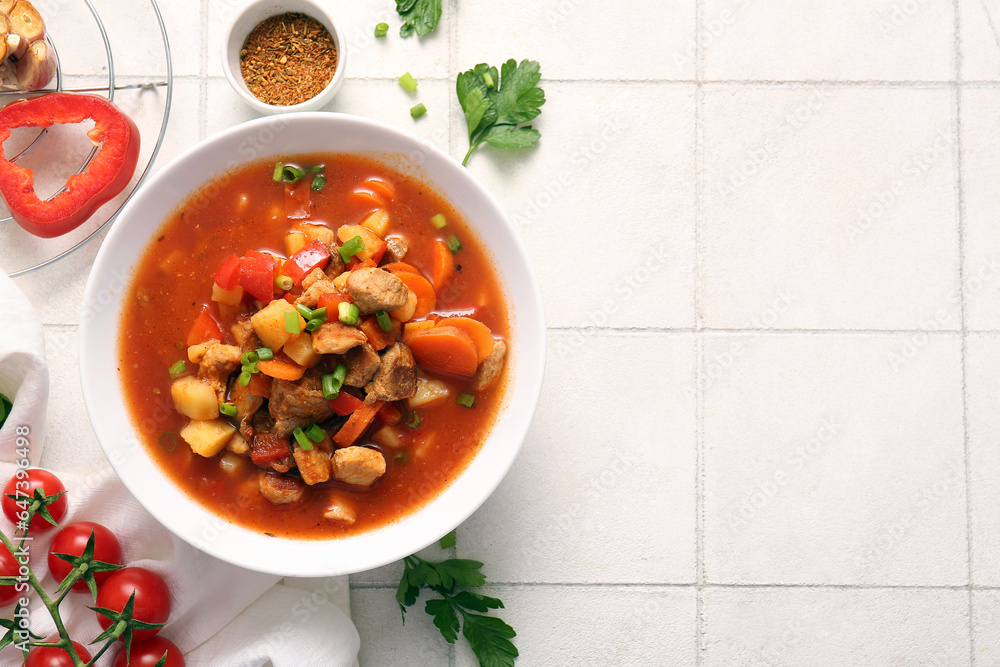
(960, 196)
(699, 439)
(203, 74)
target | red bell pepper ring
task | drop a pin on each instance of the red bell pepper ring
(314, 255)
(107, 175)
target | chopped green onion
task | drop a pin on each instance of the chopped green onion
(466, 400)
(318, 182)
(448, 541)
(384, 323)
(292, 325)
(250, 358)
(315, 433)
(408, 83)
(168, 441)
(439, 221)
(317, 168)
(244, 378)
(278, 169)
(250, 368)
(400, 458)
(351, 248)
(413, 421)
(314, 324)
(320, 314)
(283, 282)
(304, 310)
(332, 382)
(265, 353)
(227, 409)
(300, 437)
(418, 111)
(488, 78)
(348, 313)
(292, 174)
(454, 244)
(381, 29)
(178, 369)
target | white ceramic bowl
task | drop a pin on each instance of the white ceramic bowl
(272, 138)
(246, 19)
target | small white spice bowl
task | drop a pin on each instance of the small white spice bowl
(249, 17)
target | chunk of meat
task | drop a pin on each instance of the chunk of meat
(336, 264)
(260, 423)
(396, 249)
(358, 465)
(310, 298)
(490, 369)
(336, 338)
(375, 289)
(217, 363)
(298, 403)
(246, 403)
(340, 511)
(396, 377)
(313, 464)
(281, 489)
(361, 364)
(312, 277)
(243, 332)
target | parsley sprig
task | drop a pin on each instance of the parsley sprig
(496, 107)
(420, 16)
(463, 610)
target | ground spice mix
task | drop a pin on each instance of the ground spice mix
(288, 59)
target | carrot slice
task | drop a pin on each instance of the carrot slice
(260, 385)
(377, 338)
(281, 368)
(443, 265)
(356, 424)
(400, 267)
(369, 197)
(444, 349)
(381, 187)
(479, 332)
(205, 328)
(424, 291)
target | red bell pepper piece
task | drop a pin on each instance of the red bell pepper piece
(331, 300)
(390, 414)
(269, 447)
(107, 175)
(314, 255)
(205, 328)
(257, 273)
(345, 403)
(228, 275)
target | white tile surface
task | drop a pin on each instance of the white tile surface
(848, 40)
(624, 511)
(986, 628)
(983, 362)
(809, 192)
(789, 626)
(566, 627)
(980, 45)
(643, 224)
(386, 640)
(824, 464)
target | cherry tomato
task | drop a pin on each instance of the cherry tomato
(152, 598)
(48, 656)
(148, 653)
(37, 478)
(72, 540)
(8, 568)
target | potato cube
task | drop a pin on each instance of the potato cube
(194, 398)
(372, 241)
(320, 233)
(229, 297)
(294, 241)
(208, 438)
(300, 350)
(428, 392)
(378, 222)
(269, 324)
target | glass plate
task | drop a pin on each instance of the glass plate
(126, 60)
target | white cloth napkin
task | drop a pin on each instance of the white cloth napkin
(221, 615)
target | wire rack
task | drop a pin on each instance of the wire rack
(141, 84)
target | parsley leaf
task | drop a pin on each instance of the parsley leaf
(496, 105)
(465, 610)
(420, 16)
